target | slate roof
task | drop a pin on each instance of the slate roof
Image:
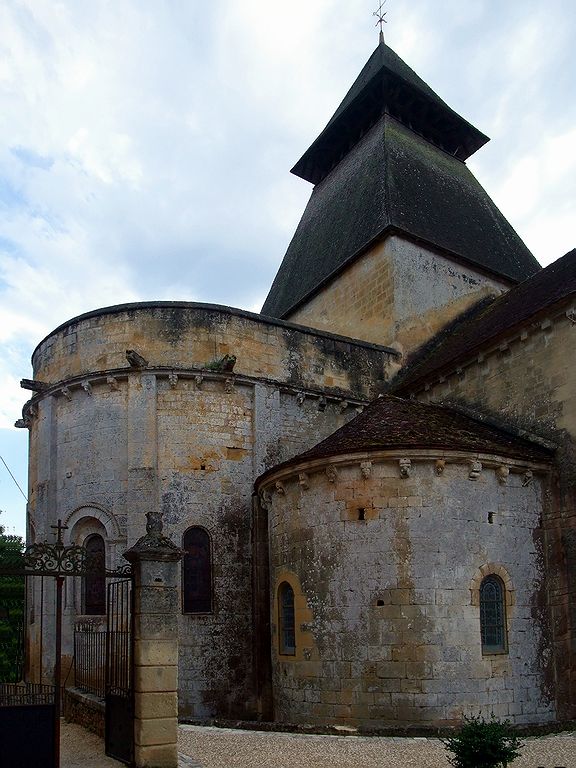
(489, 320)
(394, 181)
(391, 423)
(387, 84)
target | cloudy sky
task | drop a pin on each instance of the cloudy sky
(145, 145)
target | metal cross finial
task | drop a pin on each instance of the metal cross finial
(59, 528)
(380, 13)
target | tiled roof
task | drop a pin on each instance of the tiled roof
(488, 321)
(393, 423)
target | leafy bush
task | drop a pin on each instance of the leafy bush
(483, 744)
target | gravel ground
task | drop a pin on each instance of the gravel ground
(227, 748)
(81, 749)
(224, 748)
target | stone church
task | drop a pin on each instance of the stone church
(373, 480)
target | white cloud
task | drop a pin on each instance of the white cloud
(146, 146)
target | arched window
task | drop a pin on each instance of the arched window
(286, 619)
(493, 615)
(95, 579)
(196, 572)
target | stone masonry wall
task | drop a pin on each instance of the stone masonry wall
(397, 293)
(528, 379)
(387, 616)
(109, 444)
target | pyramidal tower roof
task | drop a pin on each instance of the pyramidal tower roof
(388, 85)
(392, 160)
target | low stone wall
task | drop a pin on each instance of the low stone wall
(85, 709)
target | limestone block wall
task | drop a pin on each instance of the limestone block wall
(397, 293)
(110, 442)
(386, 573)
(528, 378)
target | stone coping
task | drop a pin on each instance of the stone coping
(255, 317)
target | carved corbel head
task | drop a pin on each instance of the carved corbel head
(173, 379)
(440, 466)
(331, 474)
(303, 481)
(502, 474)
(527, 479)
(279, 488)
(405, 467)
(475, 470)
(366, 469)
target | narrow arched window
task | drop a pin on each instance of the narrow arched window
(196, 572)
(493, 615)
(286, 619)
(95, 579)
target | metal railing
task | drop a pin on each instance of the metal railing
(90, 659)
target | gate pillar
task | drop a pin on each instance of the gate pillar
(154, 560)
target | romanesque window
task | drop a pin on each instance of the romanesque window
(196, 572)
(286, 619)
(493, 615)
(95, 579)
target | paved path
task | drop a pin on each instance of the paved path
(226, 748)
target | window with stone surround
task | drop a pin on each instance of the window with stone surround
(286, 620)
(95, 579)
(196, 571)
(493, 615)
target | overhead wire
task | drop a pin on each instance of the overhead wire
(13, 478)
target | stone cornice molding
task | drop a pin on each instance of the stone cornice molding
(437, 458)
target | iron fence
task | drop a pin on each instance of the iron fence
(90, 659)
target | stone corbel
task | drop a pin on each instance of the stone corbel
(198, 380)
(65, 392)
(265, 499)
(32, 411)
(475, 470)
(300, 397)
(343, 405)
(322, 403)
(22, 423)
(366, 469)
(571, 315)
(331, 474)
(229, 385)
(113, 383)
(502, 474)
(87, 387)
(279, 488)
(440, 467)
(173, 379)
(303, 481)
(527, 479)
(405, 467)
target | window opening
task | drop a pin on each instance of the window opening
(492, 615)
(196, 572)
(95, 579)
(287, 622)
(361, 513)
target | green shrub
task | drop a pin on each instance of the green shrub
(483, 744)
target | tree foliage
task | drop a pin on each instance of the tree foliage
(12, 597)
(483, 744)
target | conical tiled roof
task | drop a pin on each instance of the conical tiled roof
(391, 423)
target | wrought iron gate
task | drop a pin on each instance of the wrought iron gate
(119, 728)
(30, 682)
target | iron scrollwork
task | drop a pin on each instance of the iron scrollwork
(55, 559)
